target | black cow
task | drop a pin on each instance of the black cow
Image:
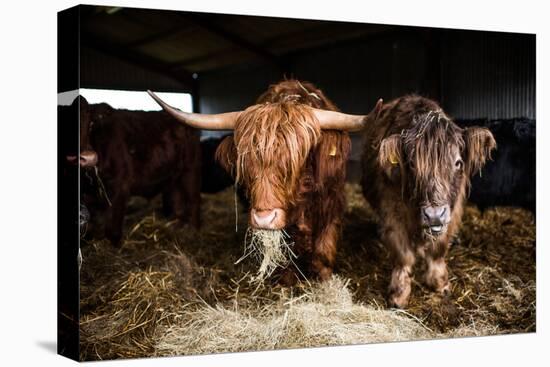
(509, 179)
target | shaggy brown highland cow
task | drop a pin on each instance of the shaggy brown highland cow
(137, 153)
(289, 152)
(417, 165)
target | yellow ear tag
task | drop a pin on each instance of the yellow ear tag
(332, 152)
(394, 160)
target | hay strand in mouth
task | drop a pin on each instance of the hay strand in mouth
(271, 248)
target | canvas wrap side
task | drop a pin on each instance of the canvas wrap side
(68, 233)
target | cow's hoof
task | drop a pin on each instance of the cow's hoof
(445, 290)
(324, 274)
(436, 277)
(399, 296)
(441, 286)
(398, 301)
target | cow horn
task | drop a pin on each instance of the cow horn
(332, 120)
(221, 121)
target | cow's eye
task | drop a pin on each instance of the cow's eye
(459, 164)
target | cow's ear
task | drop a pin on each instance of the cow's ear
(84, 107)
(83, 102)
(479, 143)
(390, 157)
(226, 155)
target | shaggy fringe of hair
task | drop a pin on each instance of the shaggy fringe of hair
(428, 146)
(272, 249)
(274, 138)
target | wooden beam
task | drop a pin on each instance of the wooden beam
(157, 36)
(176, 65)
(238, 41)
(137, 58)
(210, 27)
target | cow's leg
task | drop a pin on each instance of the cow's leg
(113, 228)
(288, 276)
(437, 276)
(167, 209)
(303, 248)
(403, 259)
(191, 190)
(176, 197)
(324, 252)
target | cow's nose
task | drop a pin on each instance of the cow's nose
(435, 215)
(264, 218)
(88, 158)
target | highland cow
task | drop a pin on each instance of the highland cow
(137, 153)
(289, 153)
(417, 165)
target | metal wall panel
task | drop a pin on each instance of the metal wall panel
(482, 75)
(488, 75)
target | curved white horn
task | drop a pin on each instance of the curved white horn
(220, 121)
(332, 120)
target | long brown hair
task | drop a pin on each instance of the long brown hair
(425, 145)
(431, 146)
(274, 139)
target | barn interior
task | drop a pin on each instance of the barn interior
(164, 287)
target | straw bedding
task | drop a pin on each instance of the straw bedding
(324, 314)
(171, 290)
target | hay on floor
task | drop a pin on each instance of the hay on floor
(127, 324)
(323, 314)
(172, 290)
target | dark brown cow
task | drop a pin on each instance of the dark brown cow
(289, 153)
(139, 153)
(417, 165)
